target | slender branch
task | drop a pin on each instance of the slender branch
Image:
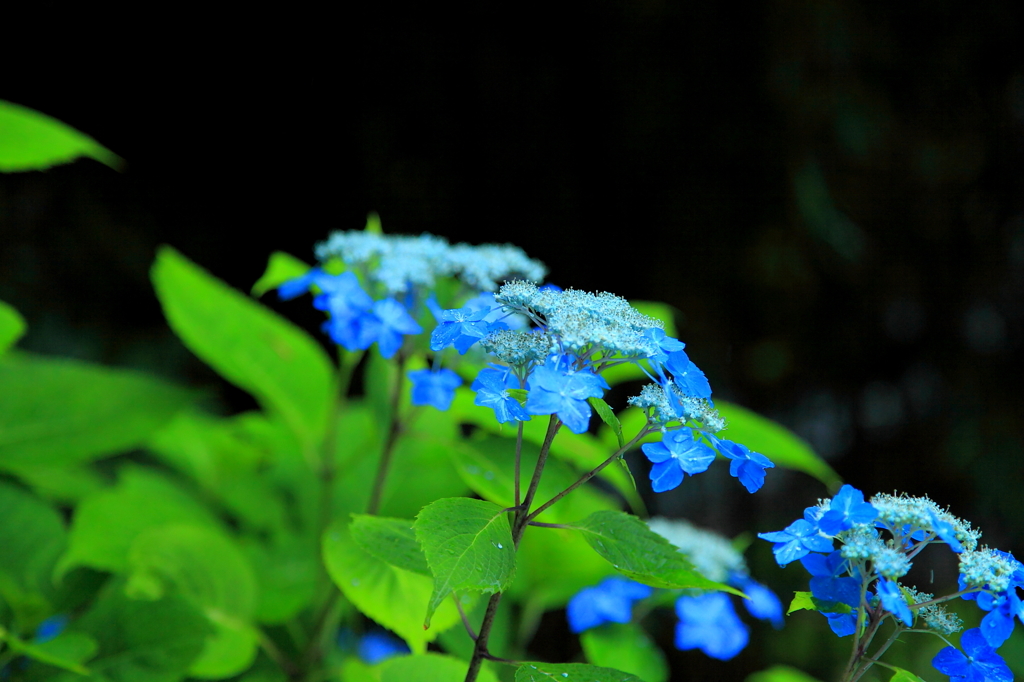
(519, 451)
(587, 476)
(547, 525)
(871, 660)
(545, 448)
(465, 620)
(394, 431)
(480, 648)
(283, 662)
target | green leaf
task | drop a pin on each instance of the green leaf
(61, 411)
(801, 601)
(468, 545)
(390, 540)
(286, 571)
(32, 536)
(902, 675)
(626, 647)
(391, 596)
(12, 326)
(520, 394)
(604, 411)
(30, 140)
(775, 441)
(568, 672)
(281, 267)
(208, 569)
(780, 673)
(156, 641)
(429, 668)
(249, 345)
(66, 651)
(641, 554)
(106, 524)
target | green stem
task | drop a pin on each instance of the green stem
(871, 660)
(394, 430)
(519, 451)
(587, 476)
(286, 665)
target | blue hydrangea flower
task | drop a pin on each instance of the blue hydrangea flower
(461, 328)
(846, 509)
(749, 467)
(997, 625)
(377, 646)
(435, 388)
(609, 602)
(945, 531)
(829, 579)
(708, 622)
(677, 453)
(492, 385)
(980, 664)
(762, 604)
(798, 539)
(51, 627)
(389, 324)
(842, 624)
(894, 602)
(690, 380)
(558, 388)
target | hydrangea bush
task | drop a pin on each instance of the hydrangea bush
(409, 509)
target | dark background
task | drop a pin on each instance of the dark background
(831, 194)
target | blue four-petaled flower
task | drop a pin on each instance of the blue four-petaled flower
(611, 601)
(978, 662)
(798, 539)
(556, 387)
(846, 509)
(709, 622)
(492, 387)
(437, 388)
(677, 453)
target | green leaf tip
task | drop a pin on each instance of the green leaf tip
(31, 140)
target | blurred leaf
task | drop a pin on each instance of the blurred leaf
(393, 597)
(626, 647)
(248, 344)
(155, 641)
(553, 564)
(206, 568)
(32, 536)
(30, 140)
(281, 267)
(776, 442)
(639, 553)
(66, 651)
(64, 484)
(557, 672)
(61, 411)
(429, 668)
(902, 675)
(390, 540)
(106, 524)
(780, 673)
(286, 572)
(12, 326)
(468, 545)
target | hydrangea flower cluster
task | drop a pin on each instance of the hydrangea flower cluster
(388, 283)
(572, 337)
(707, 620)
(879, 539)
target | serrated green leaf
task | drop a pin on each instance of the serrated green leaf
(30, 140)
(281, 267)
(156, 641)
(641, 554)
(391, 596)
(625, 647)
(106, 524)
(468, 545)
(12, 326)
(32, 537)
(902, 675)
(774, 441)
(780, 673)
(429, 668)
(390, 540)
(206, 568)
(607, 415)
(570, 672)
(56, 411)
(801, 601)
(249, 345)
